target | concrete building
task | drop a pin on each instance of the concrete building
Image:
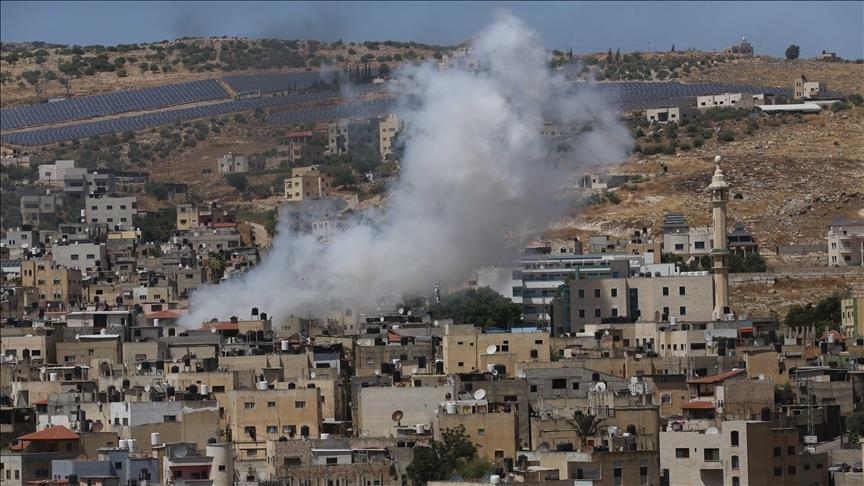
(53, 174)
(306, 183)
(20, 241)
(743, 48)
(112, 211)
(846, 243)
(808, 89)
(35, 348)
(719, 254)
(38, 208)
(852, 316)
(679, 238)
(669, 114)
(388, 127)
(466, 348)
(30, 459)
(55, 284)
(87, 257)
(233, 164)
(492, 431)
(114, 465)
(740, 453)
(725, 100)
(376, 405)
(656, 299)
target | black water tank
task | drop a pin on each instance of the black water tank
(439, 367)
(263, 316)
(766, 414)
(397, 376)
(631, 429)
(254, 311)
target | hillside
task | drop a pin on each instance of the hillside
(26, 69)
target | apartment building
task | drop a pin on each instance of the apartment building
(466, 349)
(105, 347)
(654, 299)
(740, 453)
(312, 182)
(852, 316)
(37, 208)
(235, 164)
(87, 257)
(53, 174)
(679, 238)
(53, 282)
(846, 243)
(808, 89)
(388, 127)
(110, 210)
(492, 430)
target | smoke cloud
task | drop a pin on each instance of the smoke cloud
(476, 178)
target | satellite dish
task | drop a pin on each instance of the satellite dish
(712, 431)
(381, 318)
(606, 332)
(147, 388)
(312, 375)
(213, 330)
(491, 349)
(408, 313)
(480, 394)
(637, 356)
(435, 323)
(397, 415)
(401, 310)
(97, 427)
(520, 373)
(139, 367)
(494, 371)
(762, 376)
(180, 452)
(600, 387)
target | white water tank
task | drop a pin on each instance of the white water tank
(155, 322)
(155, 439)
(325, 436)
(130, 444)
(494, 479)
(123, 444)
(53, 376)
(263, 385)
(419, 428)
(286, 345)
(673, 320)
(103, 332)
(450, 408)
(204, 389)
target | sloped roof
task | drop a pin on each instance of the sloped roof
(164, 314)
(718, 378)
(698, 405)
(51, 433)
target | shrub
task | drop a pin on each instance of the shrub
(726, 136)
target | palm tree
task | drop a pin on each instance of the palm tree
(586, 425)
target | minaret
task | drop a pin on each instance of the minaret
(719, 195)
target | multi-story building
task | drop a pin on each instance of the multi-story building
(492, 430)
(87, 257)
(808, 89)
(37, 208)
(388, 127)
(466, 348)
(54, 283)
(53, 174)
(852, 316)
(740, 453)
(679, 238)
(19, 240)
(312, 182)
(846, 243)
(725, 100)
(231, 164)
(113, 211)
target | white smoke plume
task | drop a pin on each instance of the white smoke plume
(475, 168)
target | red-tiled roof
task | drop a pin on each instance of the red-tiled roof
(698, 405)
(52, 433)
(164, 314)
(706, 380)
(222, 326)
(393, 337)
(223, 225)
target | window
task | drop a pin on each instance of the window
(665, 290)
(533, 388)
(169, 418)
(574, 385)
(700, 245)
(123, 206)
(596, 293)
(118, 465)
(559, 384)
(790, 451)
(249, 405)
(679, 246)
(736, 481)
(712, 455)
(581, 293)
(582, 313)
(271, 404)
(682, 310)
(460, 364)
(74, 257)
(778, 451)
(734, 437)
(614, 292)
(614, 312)
(272, 429)
(332, 460)
(300, 404)
(481, 432)
(682, 453)
(221, 467)
(778, 471)
(617, 475)
(734, 462)
(682, 291)
(596, 312)
(538, 341)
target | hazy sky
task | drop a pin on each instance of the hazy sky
(581, 26)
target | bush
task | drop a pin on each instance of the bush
(840, 106)
(726, 136)
(237, 181)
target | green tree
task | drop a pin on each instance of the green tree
(216, 264)
(586, 425)
(453, 453)
(855, 427)
(238, 181)
(157, 226)
(481, 307)
(157, 190)
(825, 314)
(792, 52)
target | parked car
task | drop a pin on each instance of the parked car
(857, 467)
(840, 467)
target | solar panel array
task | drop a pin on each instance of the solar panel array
(111, 104)
(46, 136)
(628, 95)
(272, 83)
